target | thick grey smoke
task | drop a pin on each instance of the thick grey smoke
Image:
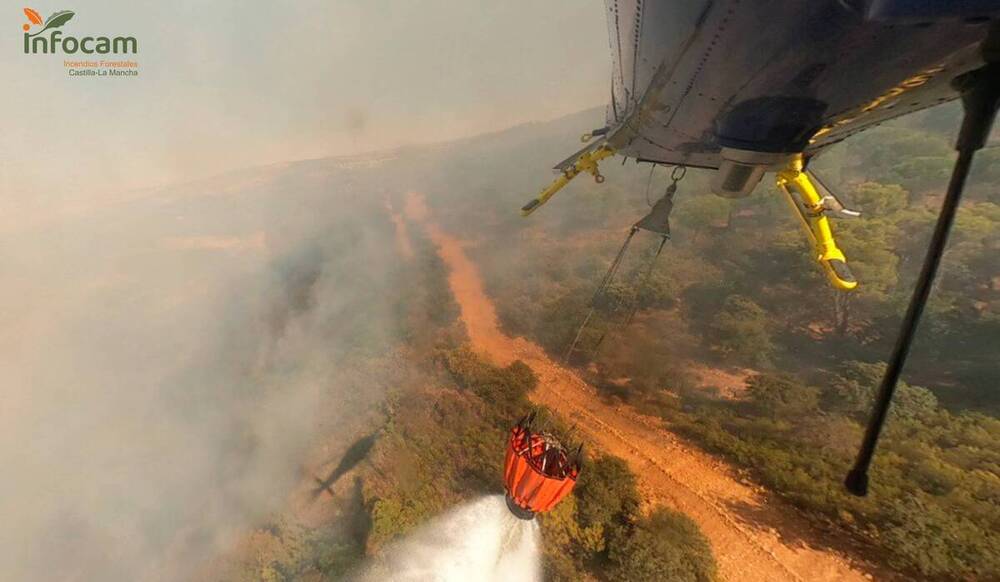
(163, 363)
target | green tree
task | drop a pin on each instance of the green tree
(667, 545)
(880, 200)
(606, 493)
(869, 243)
(741, 328)
(853, 391)
(702, 212)
(781, 396)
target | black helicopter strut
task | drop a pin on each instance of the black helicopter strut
(980, 90)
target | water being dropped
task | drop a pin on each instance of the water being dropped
(480, 540)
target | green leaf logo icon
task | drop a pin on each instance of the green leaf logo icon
(56, 20)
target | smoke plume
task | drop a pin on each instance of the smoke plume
(164, 361)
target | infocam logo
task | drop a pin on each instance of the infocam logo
(56, 42)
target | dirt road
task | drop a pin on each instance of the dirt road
(753, 537)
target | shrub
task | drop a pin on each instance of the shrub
(741, 328)
(667, 545)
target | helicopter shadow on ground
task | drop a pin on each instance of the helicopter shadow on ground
(766, 517)
(358, 522)
(352, 456)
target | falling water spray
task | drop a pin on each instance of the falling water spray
(494, 538)
(480, 540)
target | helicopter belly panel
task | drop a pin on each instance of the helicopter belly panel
(776, 76)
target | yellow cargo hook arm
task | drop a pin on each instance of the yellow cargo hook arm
(587, 162)
(808, 205)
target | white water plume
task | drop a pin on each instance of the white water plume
(480, 540)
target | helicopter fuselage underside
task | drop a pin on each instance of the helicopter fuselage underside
(802, 75)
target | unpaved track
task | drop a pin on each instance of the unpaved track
(741, 523)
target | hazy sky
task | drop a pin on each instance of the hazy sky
(229, 84)
(151, 405)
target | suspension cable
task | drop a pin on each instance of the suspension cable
(601, 289)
